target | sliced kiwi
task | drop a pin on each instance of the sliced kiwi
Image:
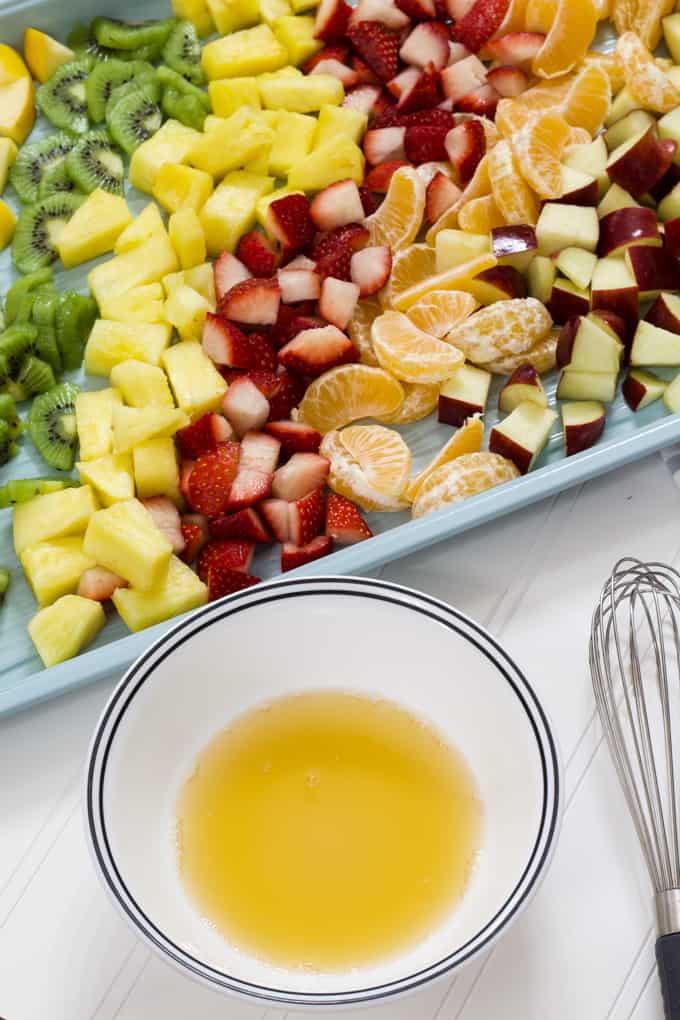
(20, 490)
(7, 445)
(105, 77)
(133, 116)
(51, 425)
(35, 160)
(8, 413)
(182, 52)
(38, 229)
(74, 319)
(95, 162)
(186, 109)
(56, 181)
(62, 98)
(43, 317)
(120, 35)
(21, 287)
(148, 85)
(36, 376)
(15, 344)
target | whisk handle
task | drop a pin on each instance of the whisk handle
(668, 963)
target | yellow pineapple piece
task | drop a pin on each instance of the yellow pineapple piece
(296, 33)
(94, 412)
(228, 144)
(202, 279)
(156, 469)
(299, 6)
(182, 187)
(142, 385)
(61, 630)
(8, 222)
(17, 108)
(250, 51)
(112, 342)
(283, 72)
(230, 15)
(292, 141)
(54, 568)
(124, 538)
(141, 304)
(133, 425)
(305, 94)
(186, 310)
(196, 383)
(232, 94)
(180, 591)
(54, 515)
(272, 10)
(149, 262)
(110, 476)
(170, 144)
(333, 161)
(187, 237)
(44, 54)
(263, 203)
(260, 164)
(94, 228)
(195, 11)
(144, 226)
(339, 120)
(230, 210)
(8, 153)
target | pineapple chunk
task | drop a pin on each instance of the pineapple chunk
(8, 151)
(94, 412)
(230, 15)
(339, 120)
(292, 141)
(272, 10)
(195, 11)
(54, 515)
(233, 94)
(54, 568)
(170, 144)
(187, 237)
(301, 95)
(199, 278)
(156, 469)
(94, 228)
(147, 263)
(228, 144)
(144, 226)
(182, 187)
(333, 161)
(186, 310)
(303, 5)
(110, 477)
(141, 304)
(60, 631)
(123, 538)
(260, 165)
(230, 210)
(142, 385)
(263, 204)
(132, 425)
(250, 51)
(296, 33)
(180, 591)
(112, 342)
(283, 72)
(8, 224)
(196, 383)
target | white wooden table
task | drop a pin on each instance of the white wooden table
(584, 948)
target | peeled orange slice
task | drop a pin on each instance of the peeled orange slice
(610, 64)
(539, 15)
(648, 83)
(623, 15)
(478, 185)
(463, 477)
(420, 400)
(410, 266)
(458, 278)
(398, 218)
(647, 20)
(571, 32)
(370, 465)
(347, 393)
(543, 356)
(359, 329)
(538, 148)
(480, 215)
(467, 439)
(588, 100)
(505, 327)
(514, 198)
(409, 354)
(441, 310)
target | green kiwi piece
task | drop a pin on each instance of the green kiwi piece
(35, 160)
(74, 320)
(121, 36)
(8, 413)
(38, 229)
(182, 52)
(16, 391)
(62, 98)
(133, 117)
(21, 287)
(95, 162)
(4, 371)
(169, 78)
(4, 502)
(186, 109)
(105, 77)
(36, 376)
(43, 317)
(148, 85)
(15, 344)
(7, 445)
(51, 425)
(20, 490)
(5, 578)
(56, 181)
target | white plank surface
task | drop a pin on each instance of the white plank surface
(584, 948)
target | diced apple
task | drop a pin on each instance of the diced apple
(654, 346)
(464, 394)
(625, 227)
(453, 247)
(522, 435)
(590, 158)
(524, 384)
(624, 103)
(585, 346)
(512, 245)
(577, 385)
(499, 283)
(583, 423)
(560, 226)
(669, 206)
(615, 198)
(671, 34)
(541, 277)
(671, 236)
(567, 300)
(613, 287)
(633, 124)
(654, 269)
(577, 265)
(671, 395)
(642, 388)
(665, 312)
(578, 188)
(668, 127)
(638, 163)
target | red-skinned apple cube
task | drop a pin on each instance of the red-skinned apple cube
(524, 384)
(463, 395)
(654, 346)
(583, 424)
(578, 188)
(590, 158)
(653, 269)
(616, 198)
(639, 162)
(522, 435)
(514, 245)
(671, 236)
(671, 396)
(669, 206)
(567, 300)
(499, 283)
(577, 265)
(613, 287)
(560, 226)
(585, 346)
(577, 385)
(541, 276)
(665, 312)
(632, 125)
(628, 227)
(642, 388)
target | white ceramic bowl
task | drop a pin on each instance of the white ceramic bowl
(329, 632)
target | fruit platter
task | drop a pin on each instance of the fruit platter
(299, 286)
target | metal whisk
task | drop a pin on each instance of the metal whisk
(635, 666)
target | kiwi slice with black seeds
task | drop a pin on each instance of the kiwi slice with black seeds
(62, 98)
(51, 425)
(20, 490)
(105, 77)
(35, 160)
(186, 109)
(171, 79)
(74, 319)
(133, 115)
(56, 181)
(95, 162)
(182, 52)
(43, 317)
(15, 344)
(21, 287)
(8, 413)
(7, 450)
(38, 229)
(36, 376)
(120, 35)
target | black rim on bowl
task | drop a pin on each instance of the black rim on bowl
(325, 587)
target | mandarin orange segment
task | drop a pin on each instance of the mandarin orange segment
(410, 266)
(515, 200)
(603, 9)
(539, 15)
(370, 465)
(420, 400)
(623, 15)
(478, 185)
(467, 439)
(440, 311)
(409, 354)
(588, 100)
(480, 215)
(647, 20)
(359, 329)
(505, 327)
(610, 63)
(646, 81)
(347, 393)
(458, 278)
(543, 356)
(511, 116)
(577, 136)
(514, 20)
(571, 32)
(538, 148)
(466, 476)
(397, 220)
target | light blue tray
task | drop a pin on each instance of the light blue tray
(22, 680)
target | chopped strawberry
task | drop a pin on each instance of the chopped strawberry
(211, 479)
(481, 22)
(184, 475)
(427, 43)
(289, 392)
(378, 46)
(301, 262)
(204, 434)
(302, 322)
(268, 383)
(338, 300)
(424, 144)
(331, 21)
(481, 101)
(440, 195)
(382, 145)
(344, 523)
(465, 146)
(383, 103)
(275, 513)
(288, 220)
(423, 94)
(508, 80)
(378, 179)
(367, 201)
(344, 74)
(371, 269)
(333, 253)
(228, 271)
(339, 52)
(225, 343)
(316, 350)
(514, 47)
(280, 333)
(253, 302)
(245, 406)
(303, 473)
(461, 78)
(306, 517)
(419, 10)
(362, 98)
(406, 79)
(457, 9)
(166, 518)
(230, 553)
(195, 535)
(293, 556)
(427, 118)
(457, 52)
(336, 205)
(257, 254)
(248, 488)
(294, 436)
(263, 351)
(363, 72)
(221, 582)
(261, 451)
(243, 524)
(384, 11)
(298, 285)
(99, 584)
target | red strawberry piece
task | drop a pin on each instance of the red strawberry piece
(384, 11)
(306, 517)
(378, 179)
(333, 252)
(331, 21)
(338, 300)
(245, 406)
(419, 10)
(293, 556)
(263, 351)
(248, 488)
(257, 254)
(427, 43)
(461, 78)
(288, 220)
(481, 101)
(303, 473)
(427, 118)
(367, 201)
(481, 22)
(275, 513)
(294, 436)
(514, 47)
(253, 302)
(204, 434)
(99, 584)
(400, 83)
(390, 116)
(457, 9)
(465, 146)
(268, 383)
(211, 479)
(336, 205)
(222, 581)
(230, 553)
(301, 262)
(383, 103)
(225, 343)
(371, 269)
(508, 80)
(457, 52)
(425, 144)
(363, 72)
(344, 523)
(441, 12)
(228, 271)
(378, 46)
(440, 195)
(184, 475)
(423, 94)
(316, 350)
(298, 285)
(300, 323)
(382, 145)
(289, 393)
(338, 52)
(242, 524)
(362, 98)
(344, 74)
(195, 534)
(280, 332)
(166, 518)
(261, 451)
